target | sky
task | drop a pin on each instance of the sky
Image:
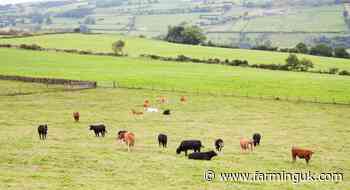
(17, 1)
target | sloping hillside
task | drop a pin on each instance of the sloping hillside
(136, 46)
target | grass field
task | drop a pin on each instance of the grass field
(72, 158)
(18, 88)
(179, 76)
(136, 46)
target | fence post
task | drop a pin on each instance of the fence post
(334, 101)
(114, 84)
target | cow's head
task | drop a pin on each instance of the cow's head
(178, 151)
(92, 127)
(121, 135)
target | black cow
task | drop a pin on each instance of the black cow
(162, 140)
(99, 128)
(256, 138)
(195, 145)
(202, 155)
(219, 144)
(166, 112)
(42, 130)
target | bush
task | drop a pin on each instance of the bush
(30, 47)
(333, 71)
(344, 72)
(6, 45)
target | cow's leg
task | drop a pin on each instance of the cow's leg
(128, 144)
(294, 156)
(185, 152)
(307, 158)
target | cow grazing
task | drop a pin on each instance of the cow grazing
(76, 116)
(162, 99)
(162, 140)
(245, 143)
(166, 112)
(219, 144)
(202, 155)
(146, 103)
(128, 138)
(302, 154)
(195, 145)
(256, 139)
(183, 99)
(134, 112)
(99, 129)
(42, 131)
(120, 135)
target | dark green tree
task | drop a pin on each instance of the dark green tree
(341, 52)
(118, 46)
(185, 34)
(322, 50)
(302, 48)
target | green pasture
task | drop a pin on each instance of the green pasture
(72, 158)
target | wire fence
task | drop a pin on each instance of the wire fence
(48, 88)
(225, 93)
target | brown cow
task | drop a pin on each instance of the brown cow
(245, 143)
(127, 137)
(301, 153)
(134, 112)
(162, 99)
(76, 116)
(146, 103)
(183, 99)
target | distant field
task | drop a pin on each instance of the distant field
(136, 46)
(160, 23)
(179, 76)
(325, 18)
(72, 158)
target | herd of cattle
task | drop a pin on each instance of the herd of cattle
(128, 138)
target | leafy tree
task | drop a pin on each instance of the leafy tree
(193, 35)
(185, 34)
(305, 65)
(301, 48)
(294, 64)
(118, 46)
(341, 52)
(322, 50)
